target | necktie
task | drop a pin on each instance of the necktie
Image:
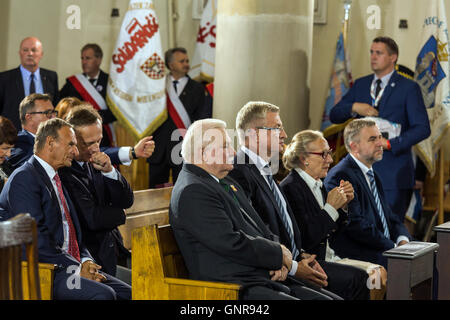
(32, 87)
(74, 251)
(374, 190)
(378, 88)
(175, 82)
(92, 81)
(284, 215)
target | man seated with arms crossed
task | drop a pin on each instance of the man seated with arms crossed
(36, 188)
(373, 228)
(218, 232)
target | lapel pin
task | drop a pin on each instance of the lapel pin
(393, 84)
(233, 188)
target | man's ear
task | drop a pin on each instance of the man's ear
(50, 142)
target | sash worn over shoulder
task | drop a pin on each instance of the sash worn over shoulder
(91, 95)
(176, 109)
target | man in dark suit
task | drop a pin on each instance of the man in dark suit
(193, 98)
(28, 78)
(218, 232)
(373, 228)
(261, 136)
(36, 188)
(103, 193)
(33, 110)
(388, 95)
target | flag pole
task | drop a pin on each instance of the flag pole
(347, 7)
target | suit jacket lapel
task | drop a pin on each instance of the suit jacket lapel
(19, 84)
(390, 87)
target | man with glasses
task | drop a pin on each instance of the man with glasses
(33, 110)
(261, 136)
(28, 78)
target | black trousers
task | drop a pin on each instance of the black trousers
(346, 281)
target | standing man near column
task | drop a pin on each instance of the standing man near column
(389, 96)
(373, 228)
(28, 78)
(188, 104)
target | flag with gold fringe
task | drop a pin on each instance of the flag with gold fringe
(432, 74)
(136, 86)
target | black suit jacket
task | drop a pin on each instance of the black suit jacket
(218, 241)
(30, 190)
(12, 92)
(316, 225)
(23, 149)
(255, 186)
(100, 206)
(68, 90)
(194, 99)
(363, 238)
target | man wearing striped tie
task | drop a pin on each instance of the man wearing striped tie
(261, 135)
(373, 228)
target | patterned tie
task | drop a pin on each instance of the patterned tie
(73, 244)
(373, 187)
(284, 215)
(32, 87)
(175, 82)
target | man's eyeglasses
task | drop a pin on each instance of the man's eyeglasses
(323, 154)
(47, 113)
(275, 129)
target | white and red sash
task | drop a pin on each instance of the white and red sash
(176, 109)
(89, 94)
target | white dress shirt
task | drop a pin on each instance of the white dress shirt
(181, 83)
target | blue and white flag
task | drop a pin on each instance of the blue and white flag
(340, 83)
(432, 74)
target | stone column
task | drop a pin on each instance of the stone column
(263, 53)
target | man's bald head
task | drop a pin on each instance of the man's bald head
(31, 53)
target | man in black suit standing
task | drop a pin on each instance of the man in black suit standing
(191, 97)
(28, 78)
(102, 192)
(219, 234)
(261, 135)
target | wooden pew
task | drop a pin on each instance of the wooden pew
(411, 271)
(150, 206)
(443, 260)
(159, 272)
(46, 276)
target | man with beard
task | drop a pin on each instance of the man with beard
(373, 228)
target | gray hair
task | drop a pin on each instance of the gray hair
(198, 137)
(49, 128)
(250, 113)
(299, 147)
(353, 129)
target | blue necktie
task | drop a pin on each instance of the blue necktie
(374, 190)
(175, 82)
(284, 216)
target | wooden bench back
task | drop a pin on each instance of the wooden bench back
(150, 206)
(173, 263)
(14, 233)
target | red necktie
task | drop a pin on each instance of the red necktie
(73, 244)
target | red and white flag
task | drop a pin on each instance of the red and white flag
(203, 62)
(136, 86)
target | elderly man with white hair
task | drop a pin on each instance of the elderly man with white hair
(219, 234)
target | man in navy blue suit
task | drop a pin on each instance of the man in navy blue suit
(373, 228)
(28, 78)
(36, 188)
(387, 95)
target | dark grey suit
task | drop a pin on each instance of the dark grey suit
(223, 239)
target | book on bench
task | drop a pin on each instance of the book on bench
(411, 250)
